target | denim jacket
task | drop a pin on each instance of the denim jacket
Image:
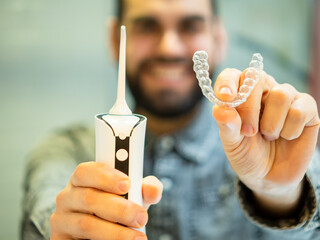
(202, 197)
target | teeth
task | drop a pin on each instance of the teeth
(167, 73)
(252, 76)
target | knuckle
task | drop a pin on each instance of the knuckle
(53, 220)
(60, 199)
(55, 223)
(79, 172)
(279, 95)
(296, 115)
(85, 224)
(88, 197)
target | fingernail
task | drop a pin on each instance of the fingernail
(225, 90)
(124, 185)
(142, 218)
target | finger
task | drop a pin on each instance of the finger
(302, 113)
(229, 124)
(59, 236)
(55, 236)
(249, 111)
(276, 107)
(100, 176)
(226, 85)
(228, 120)
(107, 206)
(300, 155)
(151, 191)
(87, 226)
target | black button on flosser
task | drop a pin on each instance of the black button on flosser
(121, 165)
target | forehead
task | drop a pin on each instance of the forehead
(166, 8)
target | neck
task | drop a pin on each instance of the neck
(160, 125)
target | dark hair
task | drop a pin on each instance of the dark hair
(119, 4)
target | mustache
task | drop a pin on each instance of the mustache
(164, 60)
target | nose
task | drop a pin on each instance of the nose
(171, 45)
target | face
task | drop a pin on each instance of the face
(162, 36)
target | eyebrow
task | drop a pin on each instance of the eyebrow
(191, 18)
(138, 20)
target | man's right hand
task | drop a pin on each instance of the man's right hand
(91, 206)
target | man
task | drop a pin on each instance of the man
(268, 141)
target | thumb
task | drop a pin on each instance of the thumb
(151, 191)
(228, 119)
(229, 123)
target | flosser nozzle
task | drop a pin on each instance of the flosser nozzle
(121, 107)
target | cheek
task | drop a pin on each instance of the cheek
(205, 43)
(137, 51)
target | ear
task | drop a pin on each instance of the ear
(113, 29)
(221, 41)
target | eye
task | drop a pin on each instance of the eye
(146, 26)
(192, 26)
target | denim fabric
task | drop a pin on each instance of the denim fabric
(202, 197)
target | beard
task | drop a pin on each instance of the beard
(166, 103)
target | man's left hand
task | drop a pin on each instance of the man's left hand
(270, 139)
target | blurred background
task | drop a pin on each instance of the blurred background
(55, 69)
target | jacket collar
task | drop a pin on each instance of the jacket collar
(194, 143)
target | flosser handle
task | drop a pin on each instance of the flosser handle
(120, 144)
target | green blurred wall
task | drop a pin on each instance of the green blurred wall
(55, 69)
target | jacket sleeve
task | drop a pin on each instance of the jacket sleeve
(304, 223)
(47, 172)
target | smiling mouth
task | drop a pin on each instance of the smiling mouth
(169, 74)
(165, 73)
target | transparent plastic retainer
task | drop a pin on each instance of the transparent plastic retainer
(252, 76)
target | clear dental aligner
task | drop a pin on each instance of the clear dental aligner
(252, 76)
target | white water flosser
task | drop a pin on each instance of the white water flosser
(120, 135)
